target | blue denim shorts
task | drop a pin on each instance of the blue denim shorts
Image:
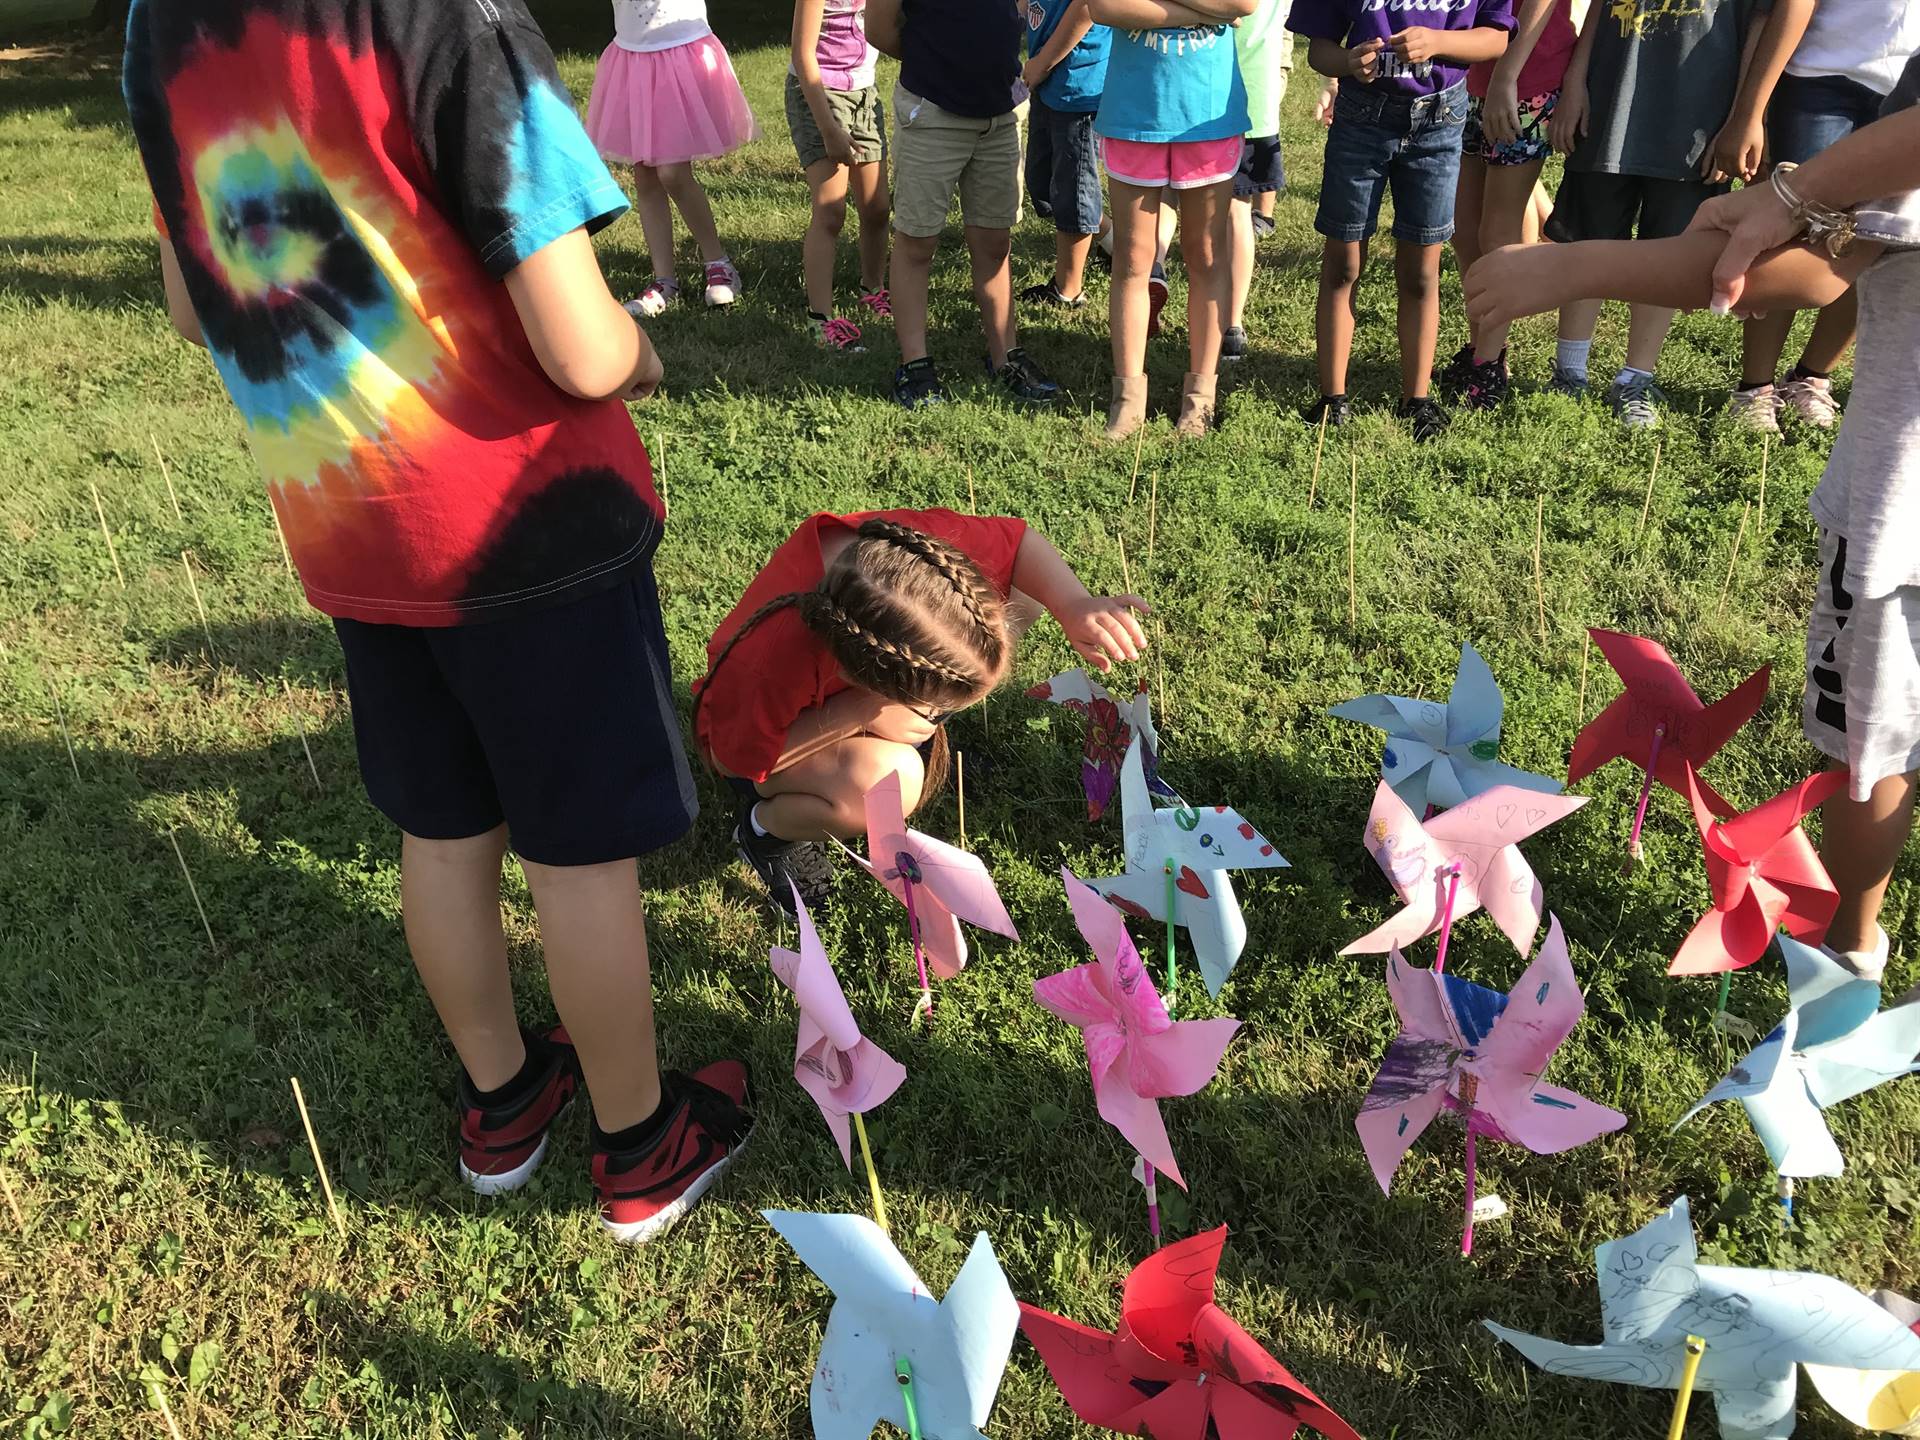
(1409, 142)
(1810, 112)
(1063, 168)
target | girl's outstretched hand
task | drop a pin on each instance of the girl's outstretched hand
(1102, 628)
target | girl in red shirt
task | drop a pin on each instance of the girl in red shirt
(849, 651)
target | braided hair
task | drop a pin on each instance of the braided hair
(909, 617)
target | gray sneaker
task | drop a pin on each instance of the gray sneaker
(1572, 383)
(1636, 402)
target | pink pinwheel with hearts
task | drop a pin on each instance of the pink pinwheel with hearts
(845, 1073)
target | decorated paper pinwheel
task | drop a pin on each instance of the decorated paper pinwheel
(845, 1073)
(1177, 863)
(1438, 755)
(1659, 723)
(1179, 1368)
(1480, 1054)
(1139, 1055)
(1764, 875)
(1462, 860)
(1111, 726)
(1887, 1401)
(1836, 1042)
(939, 885)
(892, 1352)
(1753, 1327)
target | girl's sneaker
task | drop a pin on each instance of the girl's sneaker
(833, 333)
(1453, 377)
(661, 292)
(1424, 417)
(1487, 385)
(1756, 409)
(880, 302)
(503, 1141)
(644, 1189)
(1809, 399)
(1156, 300)
(723, 283)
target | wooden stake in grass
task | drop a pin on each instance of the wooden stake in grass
(1153, 515)
(166, 475)
(186, 563)
(301, 726)
(1353, 526)
(973, 502)
(319, 1165)
(1126, 570)
(1734, 558)
(173, 837)
(1586, 648)
(660, 474)
(107, 535)
(960, 791)
(159, 1398)
(60, 713)
(1760, 505)
(6, 1188)
(1313, 488)
(1539, 578)
(1647, 504)
(1139, 444)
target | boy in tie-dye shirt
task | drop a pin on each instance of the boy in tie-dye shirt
(375, 215)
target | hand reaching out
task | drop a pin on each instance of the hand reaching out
(1102, 629)
(1516, 281)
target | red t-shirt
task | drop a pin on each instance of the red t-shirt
(1546, 67)
(780, 668)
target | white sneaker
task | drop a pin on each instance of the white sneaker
(659, 294)
(1867, 964)
(1809, 400)
(1757, 409)
(723, 283)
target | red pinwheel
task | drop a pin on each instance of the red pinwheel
(1764, 875)
(1179, 1368)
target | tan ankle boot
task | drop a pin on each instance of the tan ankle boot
(1128, 412)
(1196, 405)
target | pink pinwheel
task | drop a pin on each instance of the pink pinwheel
(1462, 860)
(1480, 1054)
(845, 1073)
(1139, 1055)
(939, 885)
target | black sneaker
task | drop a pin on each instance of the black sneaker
(1426, 419)
(1024, 380)
(1048, 293)
(785, 866)
(1454, 376)
(917, 384)
(1489, 385)
(1262, 225)
(1233, 344)
(1334, 409)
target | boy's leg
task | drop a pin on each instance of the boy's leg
(828, 182)
(1077, 210)
(1265, 202)
(450, 906)
(989, 252)
(989, 189)
(908, 272)
(1646, 334)
(1040, 158)
(1416, 270)
(931, 150)
(1861, 841)
(1070, 262)
(875, 206)
(650, 199)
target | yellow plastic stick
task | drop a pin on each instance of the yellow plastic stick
(1696, 1348)
(873, 1175)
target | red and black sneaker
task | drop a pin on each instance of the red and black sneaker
(501, 1145)
(644, 1190)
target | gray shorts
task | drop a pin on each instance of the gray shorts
(1862, 702)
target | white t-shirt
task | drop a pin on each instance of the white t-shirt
(1867, 41)
(661, 24)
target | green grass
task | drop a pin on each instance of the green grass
(174, 1229)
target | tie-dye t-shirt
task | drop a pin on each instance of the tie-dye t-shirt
(345, 183)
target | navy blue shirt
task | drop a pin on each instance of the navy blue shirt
(963, 55)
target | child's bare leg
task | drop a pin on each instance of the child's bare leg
(1860, 841)
(989, 252)
(1647, 327)
(1416, 270)
(1832, 334)
(875, 206)
(1070, 262)
(1240, 244)
(910, 269)
(593, 928)
(825, 795)
(691, 201)
(1533, 228)
(450, 904)
(650, 199)
(1469, 203)
(1136, 217)
(1506, 193)
(1762, 339)
(1203, 224)
(1266, 201)
(1578, 320)
(1341, 263)
(828, 182)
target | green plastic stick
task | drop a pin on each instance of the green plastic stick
(903, 1372)
(1172, 972)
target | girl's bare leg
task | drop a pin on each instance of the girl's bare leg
(825, 795)
(690, 200)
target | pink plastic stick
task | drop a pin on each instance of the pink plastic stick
(1646, 791)
(1473, 1160)
(1446, 919)
(919, 954)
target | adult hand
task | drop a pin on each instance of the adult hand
(1102, 629)
(1516, 281)
(1500, 112)
(1569, 124)
(1754, 220)
(1418, 45)
(1363, 60)
(647, 370)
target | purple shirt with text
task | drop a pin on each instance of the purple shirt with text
(1354, 22)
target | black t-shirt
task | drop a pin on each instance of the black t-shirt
(1906, 90)
(963, 55)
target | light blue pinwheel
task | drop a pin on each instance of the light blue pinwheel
(1440, 755)
(1758, 1325)
(1835, 1043)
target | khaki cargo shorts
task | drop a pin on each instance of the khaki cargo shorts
(936, 153)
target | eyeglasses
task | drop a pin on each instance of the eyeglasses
(935, 718)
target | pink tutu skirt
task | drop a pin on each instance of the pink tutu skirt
(664, 107)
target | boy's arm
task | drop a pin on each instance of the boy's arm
(806, 69)
(179, 307)
(1071, 30)
(1100, 628)
(883, 26)
(585, 342)
(1737, 150)
(1500, 117)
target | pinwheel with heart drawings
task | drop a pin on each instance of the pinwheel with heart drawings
(1176, 872)
(1178, 1367)
(1461, 860)
(939, 884)
(1884, 1401)
(1480, 1054)
(1111, 727)
(1439, 755)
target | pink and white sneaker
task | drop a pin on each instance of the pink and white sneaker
(880, 302)
(723, 283)
(1809, 399)
(834, 333)
(661, 292)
